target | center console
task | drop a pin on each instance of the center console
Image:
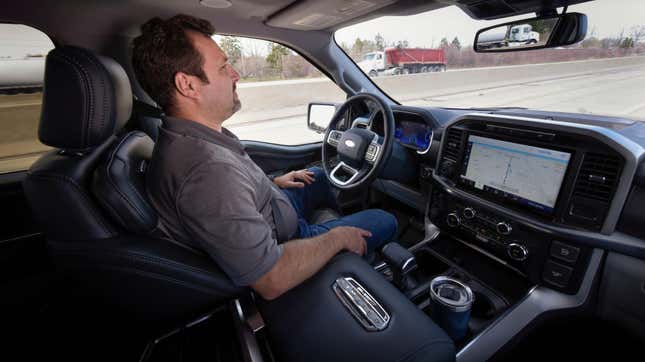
(525, 193)
(519, 210)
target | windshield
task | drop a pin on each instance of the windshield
(429, 61)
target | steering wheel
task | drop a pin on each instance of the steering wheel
(361, 152)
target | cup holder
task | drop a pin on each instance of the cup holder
(483, 307)
(428, 266)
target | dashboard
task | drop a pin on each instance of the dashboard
(531, 193)
(561, 175)
(552, 177)
(538, 194)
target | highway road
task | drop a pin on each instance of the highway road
(606, 87)
(276, 111)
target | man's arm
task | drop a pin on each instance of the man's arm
(302, 258)
(216, 206)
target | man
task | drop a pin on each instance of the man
(207, 190)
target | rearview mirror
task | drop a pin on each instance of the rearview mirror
(535, 33)
(319, 115)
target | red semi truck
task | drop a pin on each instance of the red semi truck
(403, 61)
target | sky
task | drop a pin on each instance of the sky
(605, 17)
(17, 41)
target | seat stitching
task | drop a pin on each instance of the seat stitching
(103, 86)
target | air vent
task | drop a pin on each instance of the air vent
(598, 176)
(453, 144)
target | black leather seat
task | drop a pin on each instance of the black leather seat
(107, 245)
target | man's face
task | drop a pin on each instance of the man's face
(219, 97)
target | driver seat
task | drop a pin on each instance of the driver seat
(88, 196)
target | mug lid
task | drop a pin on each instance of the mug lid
(451, 293)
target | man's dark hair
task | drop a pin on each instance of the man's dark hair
(162, 50)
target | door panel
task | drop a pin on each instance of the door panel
(273, 158)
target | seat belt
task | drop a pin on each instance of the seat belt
(278, 220)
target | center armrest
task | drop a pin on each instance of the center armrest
(311, 323)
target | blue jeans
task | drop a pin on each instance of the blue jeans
(319, 194)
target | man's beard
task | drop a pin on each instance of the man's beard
(237, 105)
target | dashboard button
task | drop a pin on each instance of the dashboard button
(557, 274)
(564, 252)
(517, 251)
(469, 213)
(452, 220)
(503, 228)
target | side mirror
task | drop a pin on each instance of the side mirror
(319, 115)
(534, 33)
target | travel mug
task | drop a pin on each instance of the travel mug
(450, 305)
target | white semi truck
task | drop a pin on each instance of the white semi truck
(522, 34)
(516, 35)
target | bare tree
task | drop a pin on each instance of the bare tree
(637, 33)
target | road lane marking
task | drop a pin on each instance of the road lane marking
(16, 105)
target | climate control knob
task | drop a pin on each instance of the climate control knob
(517, 251)
(452, 220)
(503, 228)
(469, 213)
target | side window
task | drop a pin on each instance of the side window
(275, 89)
(22, 64)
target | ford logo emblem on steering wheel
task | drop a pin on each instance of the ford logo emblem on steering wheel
(350, 143)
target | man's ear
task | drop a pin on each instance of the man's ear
(186, 85)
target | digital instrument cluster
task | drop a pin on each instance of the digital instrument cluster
(413, 134)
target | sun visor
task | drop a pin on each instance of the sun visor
(318, 15)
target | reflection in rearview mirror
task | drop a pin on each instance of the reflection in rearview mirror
(319, 116)
(531, 33)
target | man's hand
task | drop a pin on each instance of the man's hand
(289, 180)
(350, 238)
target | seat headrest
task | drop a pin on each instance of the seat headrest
(119, 184)
(87, 98)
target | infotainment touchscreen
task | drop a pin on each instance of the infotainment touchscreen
(525, 174)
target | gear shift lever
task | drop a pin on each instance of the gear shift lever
(401, 263)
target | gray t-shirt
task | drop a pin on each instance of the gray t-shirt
(210, 194)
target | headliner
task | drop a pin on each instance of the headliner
(69, 21)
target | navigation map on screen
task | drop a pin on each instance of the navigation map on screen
(527, 174)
